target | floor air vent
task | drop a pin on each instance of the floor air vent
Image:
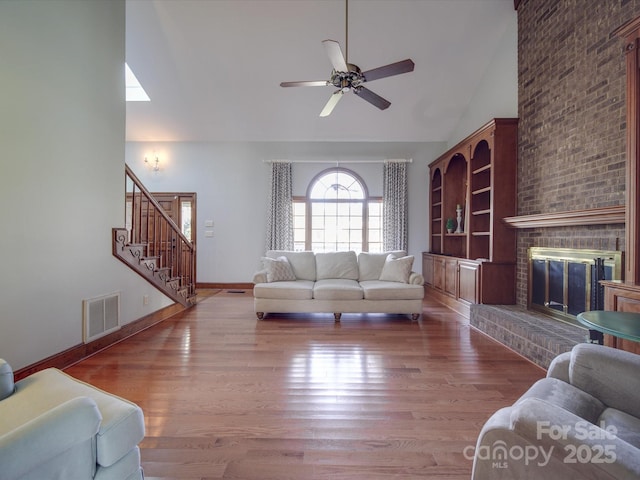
(101, 315)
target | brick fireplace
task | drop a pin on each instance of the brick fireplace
(571, 154)
(532, 328)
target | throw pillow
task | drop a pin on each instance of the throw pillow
(370, 264)
(278, 269)
(397, 269)
(7, 386)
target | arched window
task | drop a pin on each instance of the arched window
(337, 215)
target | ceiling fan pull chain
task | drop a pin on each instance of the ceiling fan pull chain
(346, 32)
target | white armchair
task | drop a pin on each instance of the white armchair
(581, 421)
(55, 427)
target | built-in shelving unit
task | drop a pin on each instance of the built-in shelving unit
(479, 175)
(436, 209)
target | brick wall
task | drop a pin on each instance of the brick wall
(571, 102)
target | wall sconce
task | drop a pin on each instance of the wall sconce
(156, 166)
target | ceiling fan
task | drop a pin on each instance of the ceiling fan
(348, 77)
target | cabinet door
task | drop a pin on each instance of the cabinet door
(468, 281)
(427, 269)
(450, 276)
(438, 273)
(623, 298)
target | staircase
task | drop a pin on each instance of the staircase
(154, 246)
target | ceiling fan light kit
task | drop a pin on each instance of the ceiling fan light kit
(348, 77)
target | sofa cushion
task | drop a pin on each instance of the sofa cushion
(278, 269)
(627, 427)
(397, 269)
(336, 265)
(381, 290)
(337, 289)
(370, 264)
(7, 386)
(296, 290)
(302, 263)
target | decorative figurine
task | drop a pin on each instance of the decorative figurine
(459, 218)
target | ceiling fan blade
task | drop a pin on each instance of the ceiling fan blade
(312, 83)
(331, 104)
(372, 98)
(403, 66)
(335, 55)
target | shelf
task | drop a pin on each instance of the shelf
(436, 189)
(481, 234)
(436, 204)
(481, 212)
(434, 220)
(436, 234)
(463, 234)
(481, 190)
(594, 216)
(481, 169)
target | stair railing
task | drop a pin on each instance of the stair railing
(149, 225)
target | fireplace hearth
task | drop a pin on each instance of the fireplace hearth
(564, 282)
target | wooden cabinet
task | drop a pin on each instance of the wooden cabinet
(621, 297)
(478, 176)
(468, 281)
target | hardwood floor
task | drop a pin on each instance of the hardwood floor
(226, 396)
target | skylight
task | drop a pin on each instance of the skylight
(135, 92)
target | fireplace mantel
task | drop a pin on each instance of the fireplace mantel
(593, 216)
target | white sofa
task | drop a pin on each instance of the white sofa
(337, 282)
(581, 421)
(54, 427)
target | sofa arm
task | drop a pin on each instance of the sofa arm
(574, 442)
(416, 278)
(559, 367)
(535, 439)
(260, 276)
(47, 436)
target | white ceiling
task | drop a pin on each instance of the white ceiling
(213, 67)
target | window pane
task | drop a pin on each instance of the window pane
(185, 214)
(317, 222)
(330, 209)
(299, 208)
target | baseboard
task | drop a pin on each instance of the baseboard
(80, 352)
(458, 306)
(225, 286)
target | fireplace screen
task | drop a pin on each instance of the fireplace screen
(565, 282)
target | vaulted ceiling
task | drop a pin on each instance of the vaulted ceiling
(213, 67)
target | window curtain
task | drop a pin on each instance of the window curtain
(395, 200)
(280, 219)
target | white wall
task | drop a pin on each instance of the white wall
(232, 185)
(62, 128)
(497, 93)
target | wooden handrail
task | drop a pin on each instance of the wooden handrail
(162, 238)
(155, 203)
